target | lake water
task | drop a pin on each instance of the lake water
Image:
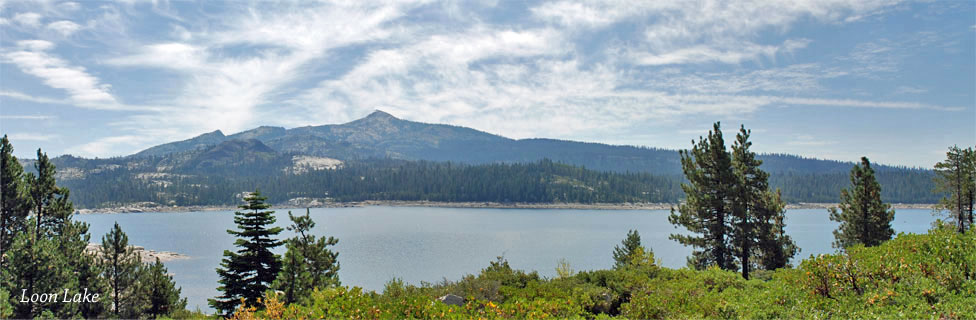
(418, 244)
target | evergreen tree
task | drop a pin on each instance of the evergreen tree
(956, 176)
(14, 205)
(749, 186)
(708, 168)
(624, 254)
(43, 257)
(308, 263)
(248, 272)
(35, 267)
(121, 267)
(160, 291)
(863, 218)
(775, 247)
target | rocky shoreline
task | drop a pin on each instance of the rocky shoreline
(152, 207)
(148, 256)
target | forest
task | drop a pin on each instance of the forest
(544, 181)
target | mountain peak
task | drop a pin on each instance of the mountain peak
(216, 133)
(380, 114)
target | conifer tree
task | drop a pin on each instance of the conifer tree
(35, 267)
(708, 168)
(308, 263)
(121, 266)
(14, 205)
(160, 291)
(955, 177)
(863, 218)
(248, 272)
(748, 188)
(624, 254)
(775, 247)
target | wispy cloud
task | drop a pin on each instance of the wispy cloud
(108, 145)
(31, 137)
(26, 117)
(29, 19)
(33, 57)
(64, 27)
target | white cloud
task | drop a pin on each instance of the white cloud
(31, 137)
(29, 19)
(732, 55)
(26, 117)
(806, 140)
(691, 32)
(108, 146)
(26, 97)
(64, 27)
(32, 57)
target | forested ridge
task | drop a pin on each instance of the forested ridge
(544, 181)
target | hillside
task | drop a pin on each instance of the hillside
(381, 157)
(381, 135)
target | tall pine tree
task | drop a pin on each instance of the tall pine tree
(956, 177)
(747, 191)
(729, 204)
(14, 205)
(708, 168)
(248, 272)
(863, 218)
(121, 267)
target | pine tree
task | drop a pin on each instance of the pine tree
(44, 255)
(747, 191)
(708, 168)
(248, 272)
(775, 247)
(14, 205)
(121, 266)
(35, 267)
(863, 218)
(160, 291)
(294, 280)
(308, 263)
(622, 256)
(955, 177)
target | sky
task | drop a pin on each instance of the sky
(891, 80)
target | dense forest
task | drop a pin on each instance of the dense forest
(386, 179)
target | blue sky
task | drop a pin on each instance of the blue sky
(891, 80)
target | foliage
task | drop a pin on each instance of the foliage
(46, 253)
(121, 266)
(14, 210)
(622, 255)
(863, 218)
(956, 177)
(705, 212)
(912, 276)
(730, 211)
(251, 270)
(308, 261)
(160, 291)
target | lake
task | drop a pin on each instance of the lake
(418, 244)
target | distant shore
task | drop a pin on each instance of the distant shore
(144, 207)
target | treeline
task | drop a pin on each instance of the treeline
(543, 181)
(46, 268)
(385, 179)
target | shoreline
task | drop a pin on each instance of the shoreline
(137, 208)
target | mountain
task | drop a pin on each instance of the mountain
(382, 157)
(381, 135)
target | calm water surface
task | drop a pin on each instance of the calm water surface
(417, 244)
